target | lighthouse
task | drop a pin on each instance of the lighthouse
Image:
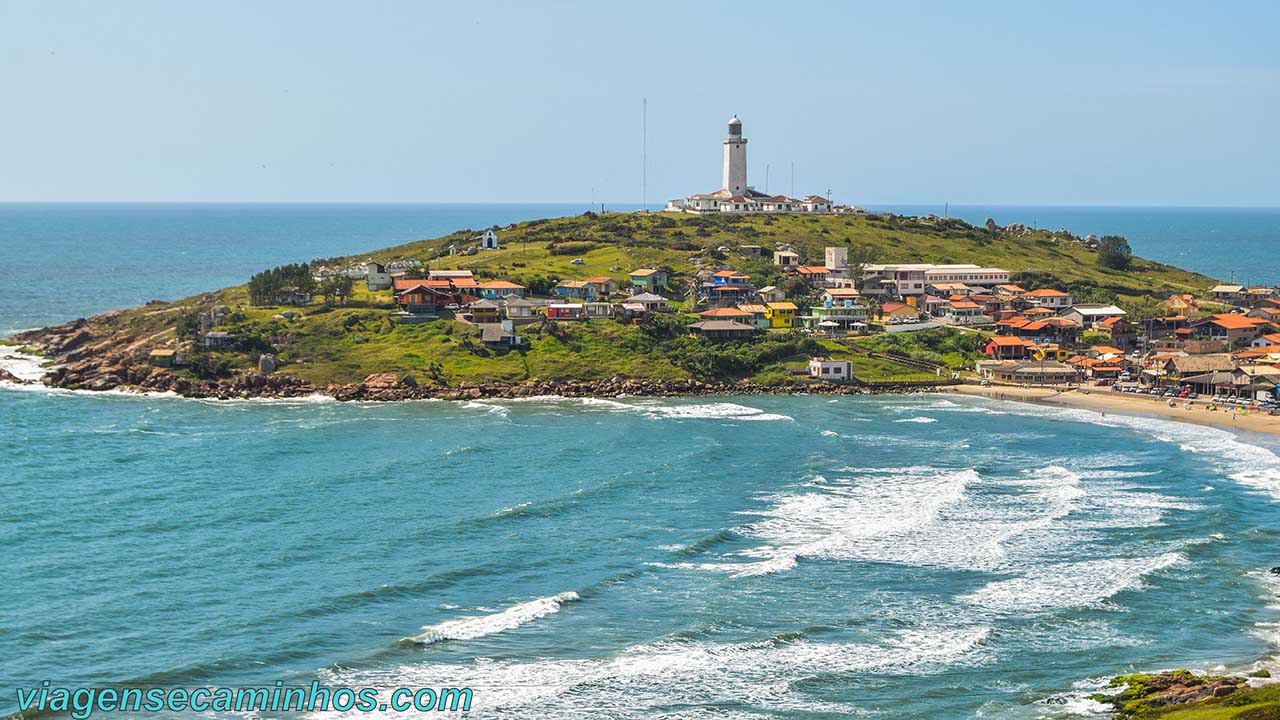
(735, 158)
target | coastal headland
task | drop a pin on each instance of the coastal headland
(558, 306)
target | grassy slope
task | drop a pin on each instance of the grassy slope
(627, 241)
(348, 343)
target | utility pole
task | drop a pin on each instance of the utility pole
(644, 154)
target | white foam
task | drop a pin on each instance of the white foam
(917, 419)
(1075, 584)
(1250, 465)
(469, 628)
(842, 518)
(712, 411)
(647, 680)
(28, 368)
(829, 433)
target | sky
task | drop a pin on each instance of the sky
(1093, 103)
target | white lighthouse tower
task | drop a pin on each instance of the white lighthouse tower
(735, 158)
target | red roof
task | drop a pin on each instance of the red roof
(1236, 322)
(1006, 341)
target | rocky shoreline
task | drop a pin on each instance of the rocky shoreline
(86, 362)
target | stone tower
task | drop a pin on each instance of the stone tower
(735, 158)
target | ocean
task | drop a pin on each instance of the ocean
(800, 557)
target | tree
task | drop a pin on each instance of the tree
(1114, 252)
(336, 289)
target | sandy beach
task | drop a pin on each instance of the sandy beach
(1107, 400)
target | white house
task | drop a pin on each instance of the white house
(489, 240)
(837, 258)
(831, 370)
(376, 276)
(1055, 300)
(1091, 314)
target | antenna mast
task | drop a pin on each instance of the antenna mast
(644, 153)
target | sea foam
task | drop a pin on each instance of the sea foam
(469, 628)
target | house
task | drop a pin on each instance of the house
(1048, 298)
(1257, 295)
(519, 308)
(1122, 332)
(1230, 328)
(1008, 290)
(771, 293)
(759, 315)
(448, 274)
(500, 335)
(1230, 294)
(786, 259)
(1042, 372)
(162, 357)
(1179, 367)
(499, 289)
(376, 277)
(567, 311)
(1004, 347)
(839, 295)
(1180, 304)
(574, 289)
(947, 289)
(424, 297)
(898, 312)
(1266, 340)
(837, 258)
(1058, 330)
(603, 285)
(1268, 312)
(781, 314)
(218, 340)
(648, 279)
(964, 312)
(830, 370)
(933, 305)
(597, 309)
(730, 277)
(814, 275)
(489, 240)
(294, 296)
(726, 313)
(831, 316)
(485, 311)
(754, 251)
(649, 302)
(722, 329)
(1090, 314)
(815, 204)
(726, 295)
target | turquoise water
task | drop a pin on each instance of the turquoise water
(904, 557)
(910, 557)
(1240, 244)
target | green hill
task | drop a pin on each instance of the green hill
(323, 344)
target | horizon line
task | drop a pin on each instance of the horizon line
(631, 206)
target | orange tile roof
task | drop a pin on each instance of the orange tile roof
(724, 312)
(500, 285)
(1235, 322)
(1006, 341)
(1046, 292)
(813, 270)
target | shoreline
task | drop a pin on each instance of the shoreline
(1104, 400)
(24, 370)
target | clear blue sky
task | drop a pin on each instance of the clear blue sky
(1169, 103)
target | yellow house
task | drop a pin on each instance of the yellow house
(781, 314)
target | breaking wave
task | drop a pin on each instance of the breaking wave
(469, 628)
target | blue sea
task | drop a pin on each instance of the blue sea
(801, 557)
